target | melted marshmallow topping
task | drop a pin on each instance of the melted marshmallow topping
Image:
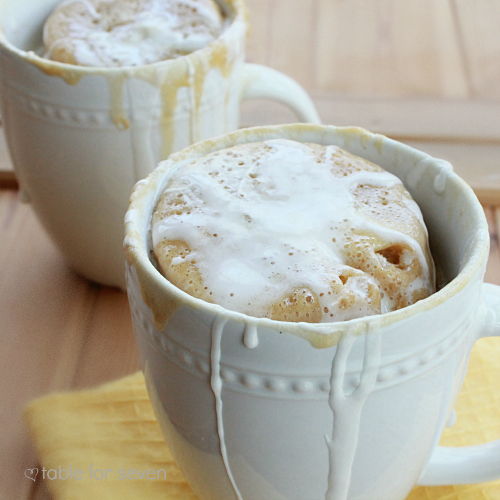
(107, 33)
(294, 232)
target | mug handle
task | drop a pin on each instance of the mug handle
(469, 464)
(261, 82)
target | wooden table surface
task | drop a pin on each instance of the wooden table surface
(424, 71)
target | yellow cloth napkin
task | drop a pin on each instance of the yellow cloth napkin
(113, 428)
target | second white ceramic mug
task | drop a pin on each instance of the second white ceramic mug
(257, 409)
(81, 137)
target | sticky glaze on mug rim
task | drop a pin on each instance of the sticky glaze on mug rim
(136, 250)
(239, 20)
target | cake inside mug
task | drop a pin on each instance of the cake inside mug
(292, 232)
(107, 33)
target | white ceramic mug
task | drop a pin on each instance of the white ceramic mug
(81, 137)
(258, 409)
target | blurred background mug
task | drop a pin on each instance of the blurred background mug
(81, 137)
(257, 409)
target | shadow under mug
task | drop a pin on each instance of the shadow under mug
(80, 137)
(258, 409)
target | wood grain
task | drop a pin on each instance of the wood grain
(480, 43)
(292, 45)
(109, 348)
(432, 119)
(260, 30)
(389, 48)
(44, 307)
(58, 332)
(493, 267)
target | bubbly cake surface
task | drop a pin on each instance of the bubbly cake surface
(292, 232)
(107, 33)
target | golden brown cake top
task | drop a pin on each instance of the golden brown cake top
(292, 232)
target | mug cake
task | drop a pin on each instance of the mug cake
(110, 33)
(292, 232)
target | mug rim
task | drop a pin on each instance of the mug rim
(145, 193)
(238, 21)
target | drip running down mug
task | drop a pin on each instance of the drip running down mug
(257, 409)
(81, 137)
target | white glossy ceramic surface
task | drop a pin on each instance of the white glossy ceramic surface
(81, 137)
(257, 409)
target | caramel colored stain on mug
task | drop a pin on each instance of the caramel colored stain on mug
(220, 59)
(169, 96)
(169, 78)
(161, 305)
(69, 75)
(116, 83)
(199, 66)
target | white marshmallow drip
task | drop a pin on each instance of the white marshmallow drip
(347, 408)
(216, 383)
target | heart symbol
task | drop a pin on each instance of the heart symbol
(31, 472)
